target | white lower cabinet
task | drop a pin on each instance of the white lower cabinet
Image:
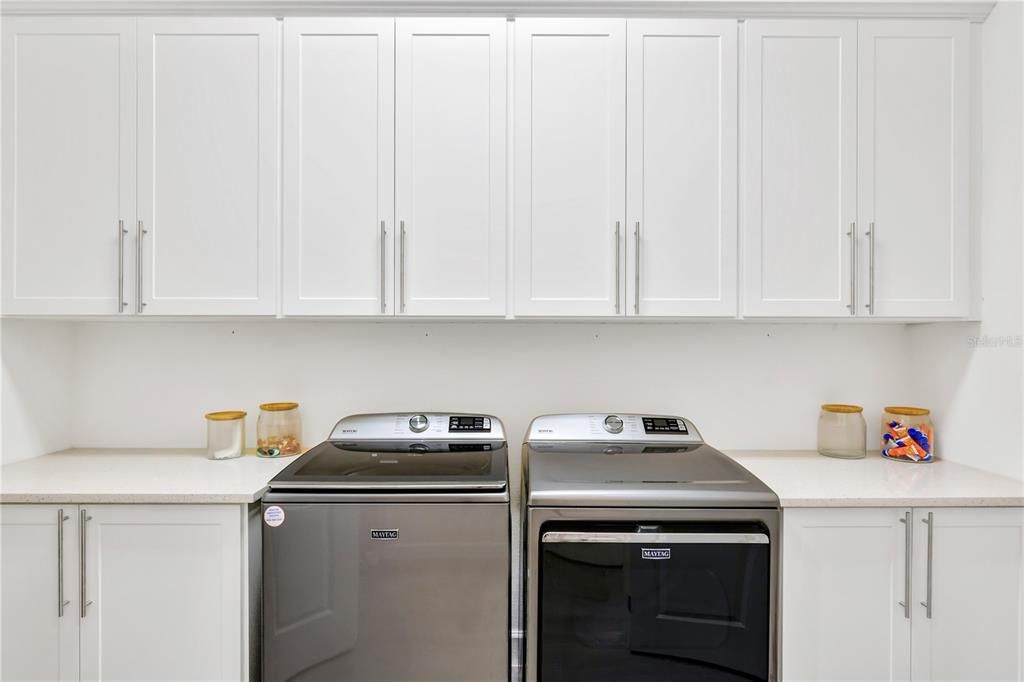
(902, 594)
(163, 588)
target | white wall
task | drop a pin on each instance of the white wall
(35, 389)
(970, 374)
(745, 385)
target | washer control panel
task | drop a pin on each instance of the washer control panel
(474, 423)
(421, 426)
(664, 425)
(613, 428)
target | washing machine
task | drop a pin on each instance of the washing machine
(648, 554)
(386, 553)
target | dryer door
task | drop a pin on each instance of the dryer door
(667, 602)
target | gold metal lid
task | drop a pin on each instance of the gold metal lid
(227, 416)
(278, 407)
(841, 409)
(907, 411)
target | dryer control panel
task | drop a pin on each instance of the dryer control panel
(613, 428)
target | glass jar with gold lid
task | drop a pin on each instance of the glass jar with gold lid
(225, 434)
(842, 431)
(907, 434)
(279, 430)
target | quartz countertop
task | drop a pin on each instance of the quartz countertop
(803, 478)
(160, 476)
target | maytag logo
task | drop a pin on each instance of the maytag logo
(383, 533)
(349, 430)
(655, 553)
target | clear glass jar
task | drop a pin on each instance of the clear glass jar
(907, 434)
(842, 431)
(279, 430)
(225, 434)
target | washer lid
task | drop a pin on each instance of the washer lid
(639, 475)
(382, 466)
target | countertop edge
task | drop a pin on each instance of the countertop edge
(130, 498)
(876, 502)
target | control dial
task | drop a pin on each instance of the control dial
(613, 424)
(419, 423)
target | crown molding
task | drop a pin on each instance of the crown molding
(974, 10)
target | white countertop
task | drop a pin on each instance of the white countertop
(803, 478)
(160, 476)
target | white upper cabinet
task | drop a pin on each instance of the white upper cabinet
(338, 166)
(450, 139)
(799, 156)
(570, 144)
(208, 166)
(68, 164)
(913, 130)
(39, 593)
(681, 179)
(844, 574)
(969, 570)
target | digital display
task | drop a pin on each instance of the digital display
(470, 423)
(663, 425)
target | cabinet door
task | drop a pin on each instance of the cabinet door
(38, 592)
(570, 140)
(165, 582)
(844, 574)
(914, 95)
(339, 92)
(974, 628)
(799, 160)
(208, 137)
(68, 163)
(681, 168)
(450, 85)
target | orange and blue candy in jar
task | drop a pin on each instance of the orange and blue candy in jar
(907, 434)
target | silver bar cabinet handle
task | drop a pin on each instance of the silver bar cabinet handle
(383, 267)
(618, 279)
(83, 518)
(927, 604)
(870, 305)
(61, 603)
(907, 534)
(852, 234)
(401, 265)
(139, 303)
(636, 270)
(121, 232)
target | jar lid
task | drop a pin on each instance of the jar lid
(908, 411)
(841, 409)
(278, 407)
(225, 416)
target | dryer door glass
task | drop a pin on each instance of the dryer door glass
(672, 602)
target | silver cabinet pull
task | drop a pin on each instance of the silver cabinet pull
(870, 305)
(401, 265)
(636, 273)
(139, 303)
(61, 603)
(852, 234)
(927, 604)
(121, 232)
(907, 535)
(383, 267)
(83, 518)
(618, 278)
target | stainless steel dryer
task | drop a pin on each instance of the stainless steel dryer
(386, 553)
(649, 555)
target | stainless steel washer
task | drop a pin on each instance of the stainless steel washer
(386, 553)
(648, 554)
